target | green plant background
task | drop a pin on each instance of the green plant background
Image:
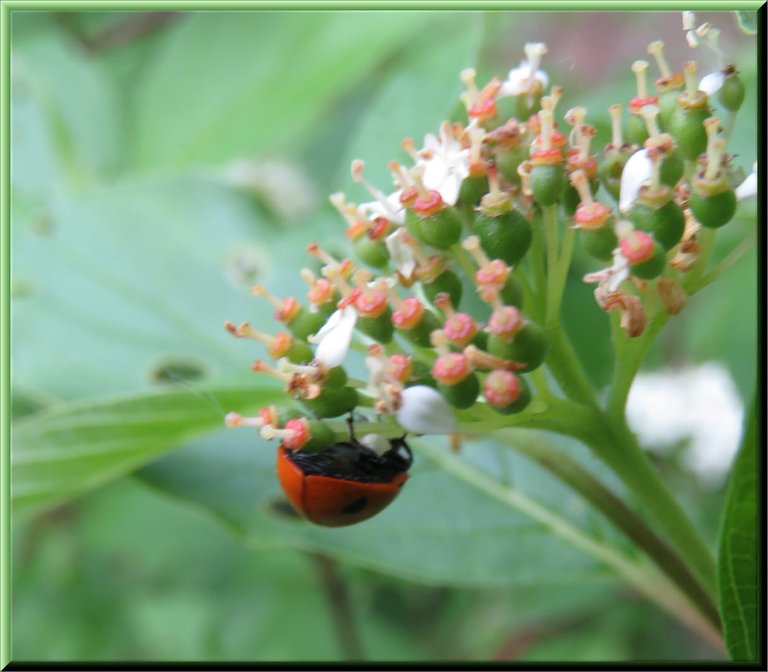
(139, 531)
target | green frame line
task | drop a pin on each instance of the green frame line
(7, 7)
(402, 5)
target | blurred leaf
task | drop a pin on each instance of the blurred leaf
(747, 21)
(419, 95)
(66, 117)
(135, 278)
(263, 78)
(738, 561)
(438, 531)
(59, 454)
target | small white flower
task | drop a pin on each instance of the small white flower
(334, 337)
(424, 411)
(749, 186)
(712, 83)
(445, 164)
(637, 172)
(610, 279)
(401, 253)
(390, 208)
(520, 80)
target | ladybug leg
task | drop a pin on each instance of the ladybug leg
(351, 423)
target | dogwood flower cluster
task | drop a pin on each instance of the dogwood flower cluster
(450, 269)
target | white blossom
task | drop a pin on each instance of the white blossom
(749, 186)
(334, 337)
(424, 411)
(637, 172)
(700, 405)
(520, 80)
(390, 208)
(445, 164)
(401, 253)
(712, 83)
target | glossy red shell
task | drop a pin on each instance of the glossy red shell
(334, 502)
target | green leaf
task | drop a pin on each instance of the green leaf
(738, 561)
(439, 530)
(261, 77)
(137, 280)
(59, 454)
(66, 116)
(747, 21)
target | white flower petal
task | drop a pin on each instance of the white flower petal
(424, 411)
(711, 83)
(400, 253)
(617, 273)
(392, 209)
(749, 186)
(518, 79)
(637, 172)
(334, 337)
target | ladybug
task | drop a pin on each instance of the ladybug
(344, 484)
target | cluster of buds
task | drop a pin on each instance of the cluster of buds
(436, 291)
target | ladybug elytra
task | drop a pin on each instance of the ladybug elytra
(344, 484)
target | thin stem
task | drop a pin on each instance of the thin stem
(565, 367)
(539, 378)
(629, 354)
(706, 246)
(537, 261)
(549, 214)
(462, 258)
(643, 578)
(561, 273)
(728, 261)
(335, 590)
(619, 449)
(582, 481)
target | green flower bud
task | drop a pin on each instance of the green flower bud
(529, 346)
(637, 131)
(447, 282)
(372, 252)
(379, 328)
(713, 203)
(687, 127)
(440, 228)
(506, 392)
(657, 213)
(546, 182)
(732, 92)
(462, 394)
(600, 243)
(332, 402)
(306, 323)
(506, 236)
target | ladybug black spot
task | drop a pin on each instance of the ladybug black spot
(358, 505)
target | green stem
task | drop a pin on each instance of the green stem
(537, 260)
(462, 258)
(619, 449)
(645, 579)
(706, 246)
(723, 266)
(549, 213)
(629, 354)
(582, 481)
(565, 367)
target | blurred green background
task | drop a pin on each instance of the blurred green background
(164, 161)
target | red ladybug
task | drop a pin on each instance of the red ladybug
(344, 484)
